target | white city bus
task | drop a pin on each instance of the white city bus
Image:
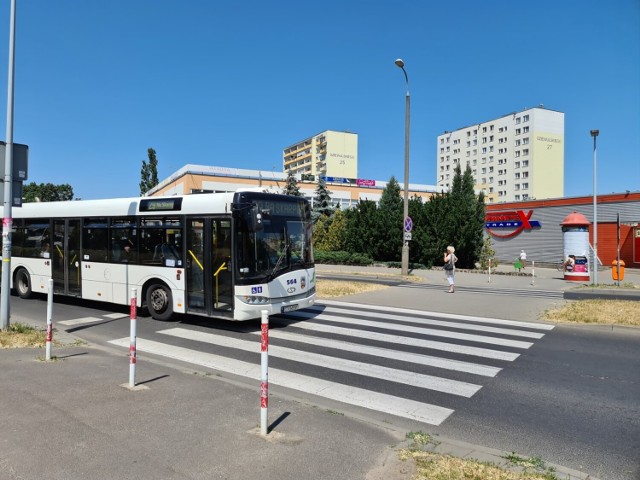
(222, 255)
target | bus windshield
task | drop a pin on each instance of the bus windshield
(280, 241)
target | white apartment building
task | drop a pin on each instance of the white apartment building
(330, 153)
(519, 156)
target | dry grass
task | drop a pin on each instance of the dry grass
(22, 336)
(339, 288)
(607, 312)
(434, 466)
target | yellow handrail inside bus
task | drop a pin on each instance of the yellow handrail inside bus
(222, 267)
(195, 259)
(60, 252)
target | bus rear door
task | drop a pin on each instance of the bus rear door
(65, 256)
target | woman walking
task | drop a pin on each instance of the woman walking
(450, 267)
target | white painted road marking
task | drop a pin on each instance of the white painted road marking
(422, 412)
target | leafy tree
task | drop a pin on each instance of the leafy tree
(321, 201)
(46, 192)
(321, 233)
(291, 187)
(335, 238)
(149, 172)
(488, 254)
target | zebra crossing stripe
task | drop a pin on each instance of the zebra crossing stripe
(429, 382)
(79, 321)
(407, 328)
(414, 342)
(450, 316)
(417, 358)
(439, 323)
(422, 412)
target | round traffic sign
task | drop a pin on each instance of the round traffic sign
(408, 224)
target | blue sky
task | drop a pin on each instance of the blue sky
(232, 83)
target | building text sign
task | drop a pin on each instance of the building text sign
(515, 220)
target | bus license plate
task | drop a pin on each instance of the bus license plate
(289, 308)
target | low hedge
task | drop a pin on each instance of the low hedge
(342, 258)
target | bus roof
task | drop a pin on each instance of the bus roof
(205, 203)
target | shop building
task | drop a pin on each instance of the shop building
(346, 192)
(534, 226)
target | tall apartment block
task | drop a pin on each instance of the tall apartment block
(519, 156)
(329, 153)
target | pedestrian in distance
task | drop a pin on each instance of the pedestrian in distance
(450, 267)
(523, 258)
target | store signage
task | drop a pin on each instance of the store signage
(336, 180)
(363, 182)
(516, 220)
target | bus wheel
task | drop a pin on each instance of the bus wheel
(159, 302)
(22, 283)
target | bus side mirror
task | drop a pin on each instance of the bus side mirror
(257, 219)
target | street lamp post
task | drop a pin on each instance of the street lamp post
(594, 134)
(405, 243)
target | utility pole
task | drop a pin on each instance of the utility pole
(7, 221)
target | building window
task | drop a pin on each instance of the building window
(525, 163)
(525, 130)
(517, 143)
(517, 131)
(517, 120)
(525, 118)
(517, 164)
(525, 141)
(517, 197)
(525, 186)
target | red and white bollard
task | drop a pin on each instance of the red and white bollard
(264, 380)
(132, 339)
(49, 319)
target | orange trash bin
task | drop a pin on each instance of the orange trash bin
(615, 270)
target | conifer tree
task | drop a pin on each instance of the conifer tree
(291, 186)
(321, 201)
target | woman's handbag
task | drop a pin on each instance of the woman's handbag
(449, 264)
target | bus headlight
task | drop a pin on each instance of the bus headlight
(255, 299)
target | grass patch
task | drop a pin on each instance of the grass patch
(605, 312)
(434, 466)
(19, 335)
(339, 288)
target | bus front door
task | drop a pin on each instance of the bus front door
(209, 279)
(65, 256)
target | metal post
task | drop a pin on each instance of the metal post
(49, 319)
(7, 222)
(618, 245)
(489, 270)
(533, 272)
(405, 243)
(594, 134)
(264, 380)
(132, 338)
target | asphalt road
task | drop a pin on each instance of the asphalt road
(570, 397)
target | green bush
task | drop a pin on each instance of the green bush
(342, 258)
(412, 266)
